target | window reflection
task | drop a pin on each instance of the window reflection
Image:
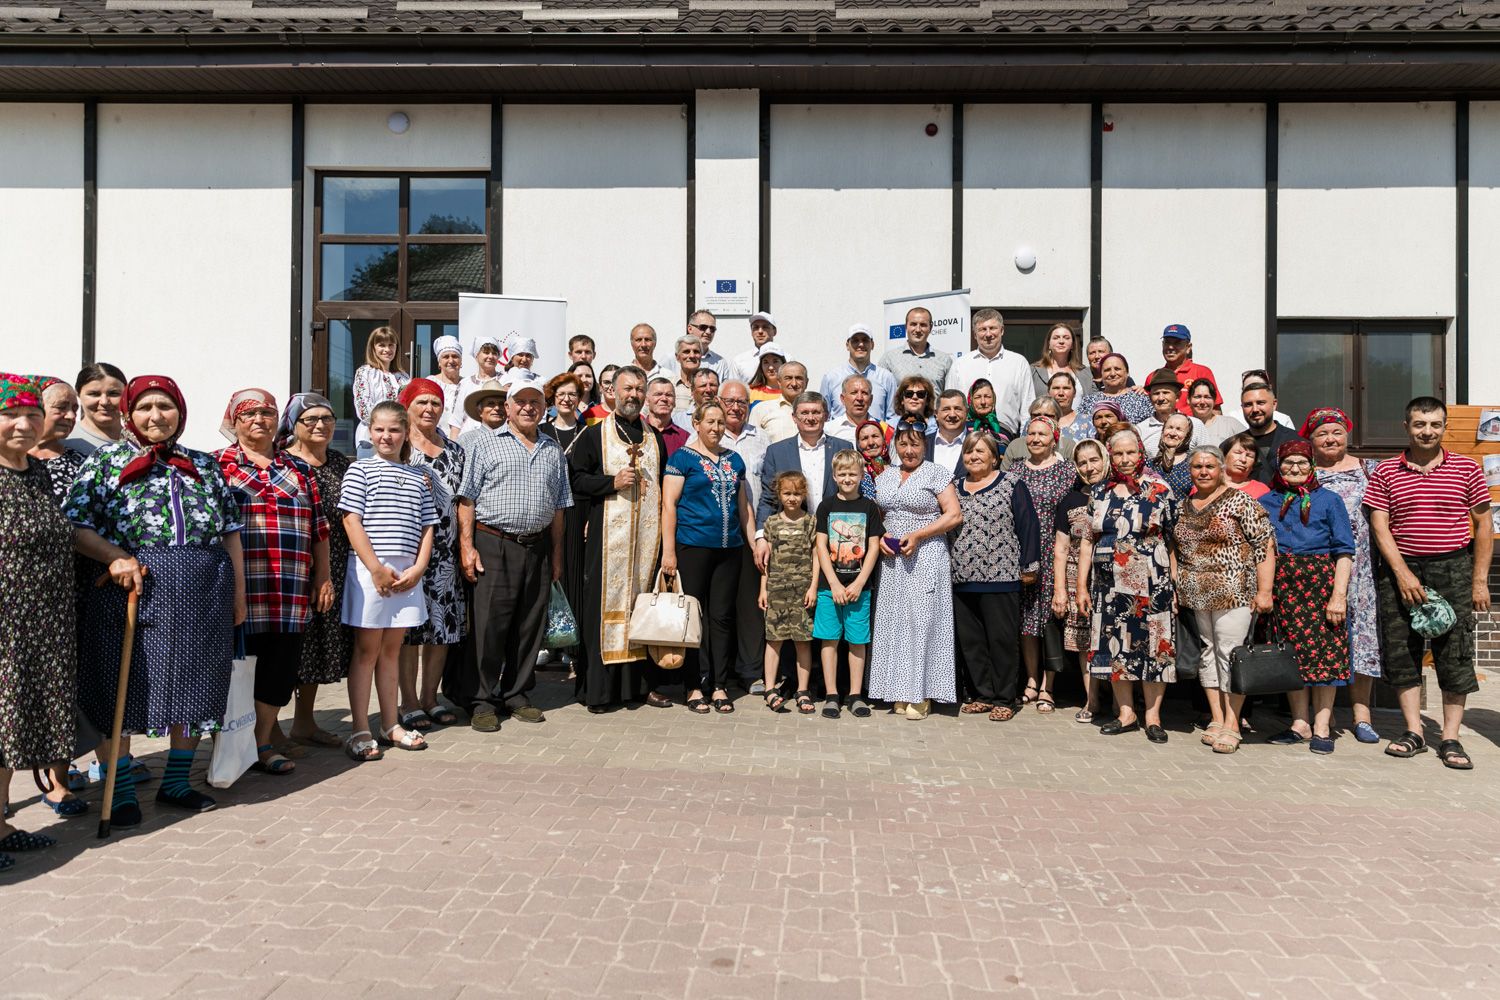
(439, 271)
(447, 205)
(361, 206)
(360, 271)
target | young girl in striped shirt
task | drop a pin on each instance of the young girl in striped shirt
(389, 516)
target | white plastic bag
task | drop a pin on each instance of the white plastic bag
(234, 744)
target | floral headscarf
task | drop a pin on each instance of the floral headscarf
(1324, 415)
(983, 421)
(242, 402)
(873, 465)
(295, 407)
(1302, 490)
(166, 451)
(19, 390)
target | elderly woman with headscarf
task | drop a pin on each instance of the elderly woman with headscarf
(873, 444)
(1108, 416)
(379, 379)
(59, 415)
(1125, 583)
(442, 461)
(912, 647)
(306, 434)
(1314, 558)
(449, 353)
(981, 412)
(1345, 476)
(1114, 385)
(171, 509)
(38, 673)
(1048, 478)
(284, 538)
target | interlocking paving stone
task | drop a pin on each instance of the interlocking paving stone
(651, 853)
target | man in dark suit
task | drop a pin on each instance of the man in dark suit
(810, 453)
(946, 447)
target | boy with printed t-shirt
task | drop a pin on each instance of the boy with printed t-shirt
(848, 543)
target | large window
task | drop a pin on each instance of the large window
(391, 250)
(1369, 368)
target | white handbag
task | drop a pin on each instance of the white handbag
(234, 743)
(666, 617)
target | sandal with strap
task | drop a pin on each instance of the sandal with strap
(774, 700)
(1083, 716)
(1226, 741)
(1045, 704)
(1450, 752)
(976, 707)
(859, 708)
(442, 715)
(1029, 695)
(1002, 713)
(1210, 733)
(723, 706)
(360, 750)
(1408, 744)
(410, 740)
(805, 703)
(270, 761)
(416, 719)
(698, 706)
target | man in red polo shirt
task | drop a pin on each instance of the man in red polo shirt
(1426, 505)
(1177, 352)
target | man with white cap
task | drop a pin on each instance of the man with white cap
(861, 343)
(762, 332)
(487, 356)
(450, 361)
(510, 522)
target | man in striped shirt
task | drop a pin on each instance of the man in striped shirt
(1430, 518)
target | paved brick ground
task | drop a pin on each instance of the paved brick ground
(654, 853)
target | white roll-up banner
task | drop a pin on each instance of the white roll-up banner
(950, 320)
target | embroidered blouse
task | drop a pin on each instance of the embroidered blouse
(708, 510)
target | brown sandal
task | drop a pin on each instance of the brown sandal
(1002, 713)
(976, 707)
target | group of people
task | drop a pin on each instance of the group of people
(932, 529)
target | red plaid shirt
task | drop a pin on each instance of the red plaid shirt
(279, 506)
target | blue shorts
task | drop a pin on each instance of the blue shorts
(850, 622)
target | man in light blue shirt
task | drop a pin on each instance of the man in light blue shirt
(882, 384)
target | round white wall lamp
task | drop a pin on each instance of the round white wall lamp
(1025, 260)
(398, 122)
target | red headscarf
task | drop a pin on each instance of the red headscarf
(242, 402)
(417, 388)
(1302, 490)
(1324, 415)
(1131, 481)
(166, 451)
(874, 466)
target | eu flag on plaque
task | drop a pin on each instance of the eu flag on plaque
(725, 286)
(898, 331)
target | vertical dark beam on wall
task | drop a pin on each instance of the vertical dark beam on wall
(1461, 250)
(692, 202)
(763, 289)
(299, 162)
(90, 224)
(1273, 184)
(497, 195)
(1096, 220)
(958, 195)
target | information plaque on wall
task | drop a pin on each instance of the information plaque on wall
(727, 296)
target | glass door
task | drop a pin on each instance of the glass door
(421, 327)
(346, 337)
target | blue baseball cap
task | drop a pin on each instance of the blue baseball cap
(1177, 332)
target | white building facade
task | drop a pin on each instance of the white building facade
(231, 227)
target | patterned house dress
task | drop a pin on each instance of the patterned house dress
(1133, 633)
(1364, 630)
(1047, 486)
(912, 648)
(447, 616)
(326, 641)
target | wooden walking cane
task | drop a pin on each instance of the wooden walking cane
(131, 604)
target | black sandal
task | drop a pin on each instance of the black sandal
(698, 706)
(723, 706)
(774, 700)
(805, 703)
(1450, 749)
(1408, 744)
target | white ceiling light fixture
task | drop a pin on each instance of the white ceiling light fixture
(1025, 260)
(398, 122)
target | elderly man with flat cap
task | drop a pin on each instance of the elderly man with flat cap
(510, 519)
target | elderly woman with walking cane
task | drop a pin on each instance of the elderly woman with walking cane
(170, 511)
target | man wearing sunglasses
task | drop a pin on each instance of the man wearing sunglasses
(703, 325)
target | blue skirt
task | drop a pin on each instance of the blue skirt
(184, 644)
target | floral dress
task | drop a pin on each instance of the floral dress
(1047, 485)
(62, 470)
(172, 523)
(327, 642)
(1364, 630)
(1072, 520)
(1137, 406)
(1179, 477)
(1133, 635)
(447, 620)
(38, 663)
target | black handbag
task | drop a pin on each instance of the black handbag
(1265, 668)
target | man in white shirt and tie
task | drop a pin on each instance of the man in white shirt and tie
(1008, 372)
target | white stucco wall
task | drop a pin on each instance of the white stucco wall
(861, 211)
(41, 237)
(1184, 232)
(1484, 253)
(727, 199)
(195, 249)
(1366, 210)
(595, 211)
(1026, 184)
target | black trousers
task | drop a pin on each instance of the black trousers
(278, 655)
(988, 629)
(712, 576)
(749, 622)
(509, 616)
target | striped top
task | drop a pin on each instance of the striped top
(394, 504)
(1429, 511)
